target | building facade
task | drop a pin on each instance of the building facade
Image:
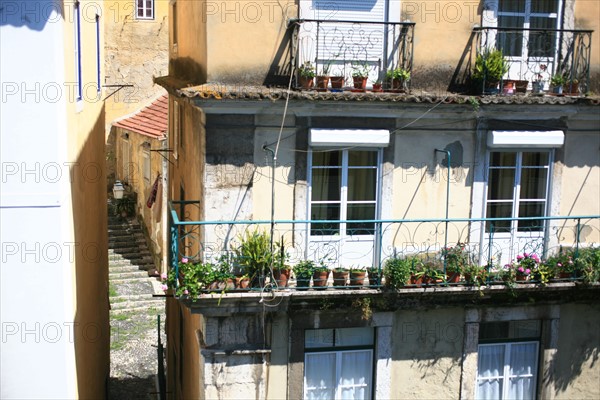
(355, 176)
(55, 317)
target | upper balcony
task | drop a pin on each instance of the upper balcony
(534, 61)
(343, 49)
(460, 255)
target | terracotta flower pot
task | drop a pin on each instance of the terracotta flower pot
(452, 277)
(306, 83)
(340, 278)
(282, 277)
(242, 283)
(337, 82)
(320, 279)
(357, 278)
(359, 82)
(322, 82)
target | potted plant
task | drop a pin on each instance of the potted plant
(281, 271)
(255, 256)
(455, 258)
(588, 263)
(360, 74)
(429, 273)
(537, 85)
(357, 276)
(474, 274)
(557, 83)
(397, 271)
(374, 274)
(398, 78)
(124, 207)
(377, 86)
(490, 67)
(303, 271)
(320, 275)
(323, 77)
(306, 75)
(572, 87)
(340, 276)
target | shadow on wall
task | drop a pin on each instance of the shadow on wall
(34, 15)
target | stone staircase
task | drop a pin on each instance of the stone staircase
(131, 268)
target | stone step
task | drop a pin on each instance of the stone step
(128, 305)
(159, 307)
(128, 248)
(132, 256)
(132, 297)
(125, 268)
(115, 276)
(131, 287)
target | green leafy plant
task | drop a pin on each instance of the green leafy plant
(124, 207)
(475, 274)
(490, 66)
(360, 70)
(456, 257)
(254, 253)
(398, 74)
(307, 70)
(558, 80)
(303, 271)
(397, 271)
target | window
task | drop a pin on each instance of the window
(517, 186)
(508, 370)
(528, 14)
(344, 187)
(338, 363)
(98, 59)
(175, 129)
(174, 27)
(144, 9)
(146, 162)
(77, 45)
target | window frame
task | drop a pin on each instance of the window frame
(175, 129)
(506, 376)
(339, 351)
(144, 10)
(146, 164)
(77, 50)
(516, 196)
(343, 201)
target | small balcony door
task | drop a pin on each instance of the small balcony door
(344, 186)
(529, 50)
(517, 187)
(338, 47)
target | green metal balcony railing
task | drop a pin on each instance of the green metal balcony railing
(218, 243)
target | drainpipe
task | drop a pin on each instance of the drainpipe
(265, 148)
(447, 202)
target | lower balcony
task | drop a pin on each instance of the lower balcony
(321, 258)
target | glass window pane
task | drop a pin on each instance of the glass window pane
(318, 338)
(326, 184)
(327, 158)
(356, 374)
(531, 209)
(526, 329)
(544, 6)
(489, 389)
(362, 184)
(511, 6)
(361, 212)
(542, 43)
(362, 158)
(520, 388)
(490, 363)
(533, 183)
(499, 210)
(510, 42)
(502, 159)
(493, 330)
(501, 184)
(354, 336)
(321, 212)
(535, 159)
(319, 376)
(522, 359)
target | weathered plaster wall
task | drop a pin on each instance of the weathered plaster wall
(420, 186)
(576, 361)
(580, 184)
(586, 17)
(136, 51)
(427, 352)
(187, 39)
(246, 39)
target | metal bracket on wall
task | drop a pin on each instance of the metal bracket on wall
(115, 92)
(159, 151)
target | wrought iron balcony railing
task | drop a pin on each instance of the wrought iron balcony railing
(219, 242)
(537, 55)
(337, 48)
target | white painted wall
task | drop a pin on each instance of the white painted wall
(36, 303)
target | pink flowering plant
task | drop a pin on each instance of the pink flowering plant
(525, 265)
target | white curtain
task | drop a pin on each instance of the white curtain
(355, 378)
(490, 372)
(319, 376)
(522, 370)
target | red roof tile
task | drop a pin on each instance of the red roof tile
(149, 121)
